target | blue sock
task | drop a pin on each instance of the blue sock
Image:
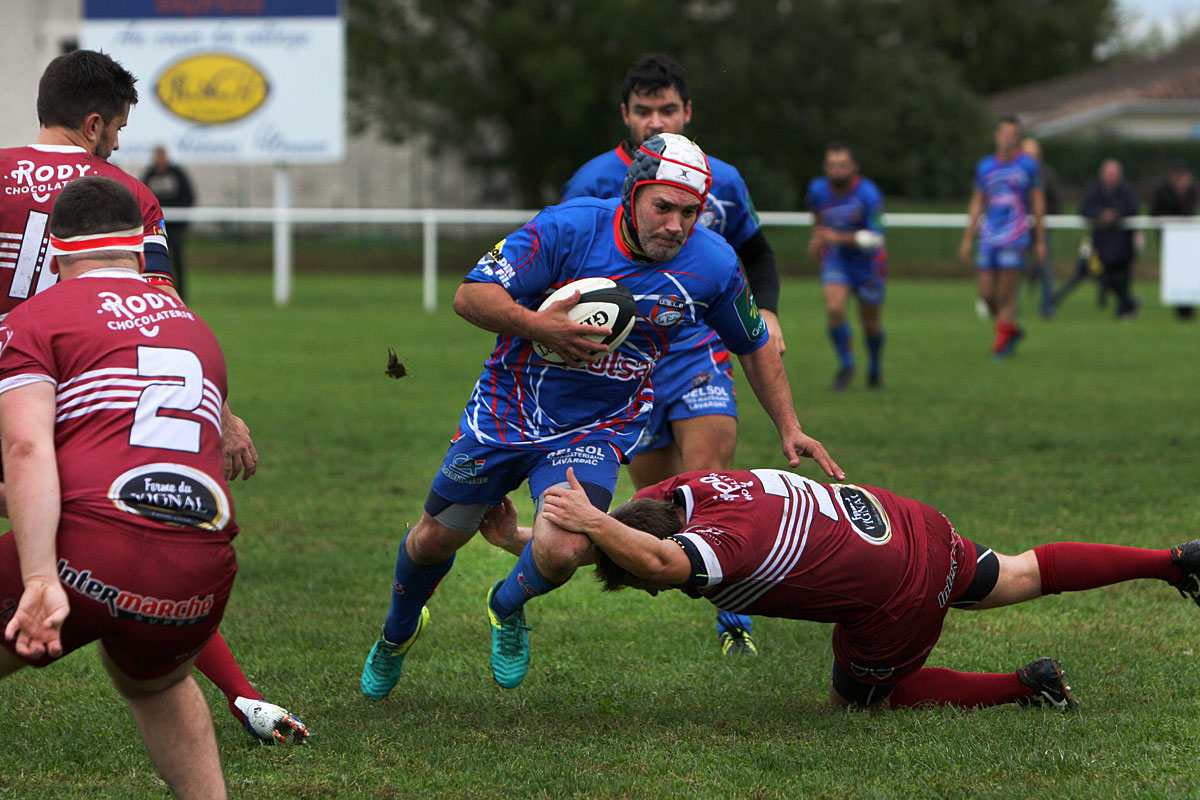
(413, 586)
(841, 343)
(728, 621)
(524, 582)
(875, 349)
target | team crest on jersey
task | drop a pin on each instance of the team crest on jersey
(865, 513)
(173, 494)
(667, 312)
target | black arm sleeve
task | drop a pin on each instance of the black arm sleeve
(762, 273)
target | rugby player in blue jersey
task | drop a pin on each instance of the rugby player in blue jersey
(1008, 189)
(529, 418)
(694, 421)
(848, 239)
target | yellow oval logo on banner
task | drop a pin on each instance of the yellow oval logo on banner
(211, 88)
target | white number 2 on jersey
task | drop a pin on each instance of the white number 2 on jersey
(170, 433)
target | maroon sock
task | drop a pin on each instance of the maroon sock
(217, 664)
(1075, 566)
(945, 687)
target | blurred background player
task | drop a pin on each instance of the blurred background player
(694, 421)
(1106, 203)
(531, 419)
(1041, 271)
(84, 99)
(1007, 190)
(848, 238)
(80, 467)
(1176, 195)
(884, 568)
(173, 188)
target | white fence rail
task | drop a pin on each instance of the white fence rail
(282, 218)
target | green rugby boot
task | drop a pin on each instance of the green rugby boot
(385, 660)
(510, 645)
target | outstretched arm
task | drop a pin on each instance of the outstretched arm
(643, 554)
(764, 371)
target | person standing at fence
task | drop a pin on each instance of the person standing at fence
(1007, 191)
(1041, 271)
(1176, 195)
(1106, 203)
(173, 188)
(694, 421)
(848, 238)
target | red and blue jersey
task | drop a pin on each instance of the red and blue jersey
(728, 211)
(858, 207)
(524, 401)
(1006, 185)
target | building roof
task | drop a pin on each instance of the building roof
(1171, 82)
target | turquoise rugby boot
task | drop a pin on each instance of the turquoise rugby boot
(385, 661)
(510, 645)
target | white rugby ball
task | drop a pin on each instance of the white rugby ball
(601, 302)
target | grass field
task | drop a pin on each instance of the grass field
(1090, 433)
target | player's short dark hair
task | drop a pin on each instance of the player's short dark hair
(94, 205)
(654, 72)
(840, 147)
(81, 83)
(657, 517)
(1008, 119)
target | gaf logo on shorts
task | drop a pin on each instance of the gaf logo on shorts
(464, 469)
(865, 513)
(212, 88)
(667, 312)
(173, 494)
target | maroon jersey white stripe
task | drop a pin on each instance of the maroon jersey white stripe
(139, 384)
(775, 543)
(30, 178)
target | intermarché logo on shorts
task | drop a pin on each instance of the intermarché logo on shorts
(134, 606)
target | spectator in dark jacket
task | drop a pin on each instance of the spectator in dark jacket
(173, 189)
(1106, 203)
(1176, 196)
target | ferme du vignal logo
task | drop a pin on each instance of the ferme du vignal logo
(212, 88)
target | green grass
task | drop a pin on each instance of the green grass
(1089, 433)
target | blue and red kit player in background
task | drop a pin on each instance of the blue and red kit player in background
(529, 418)
(1007, 191)
(883, 568)
(110, 409)
(84, 101)
(694, 421)
(848, 238)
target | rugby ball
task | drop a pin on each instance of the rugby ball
(601, 302)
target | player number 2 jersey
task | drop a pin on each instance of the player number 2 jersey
(139, 384)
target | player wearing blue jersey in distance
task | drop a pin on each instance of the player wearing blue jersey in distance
(530, 419)
(1007, 190)
(848, 239)
(694, 421)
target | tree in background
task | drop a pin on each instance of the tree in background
(526, 90)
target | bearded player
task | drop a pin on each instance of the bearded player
(694, 421)
(84, 100)
(531, 418)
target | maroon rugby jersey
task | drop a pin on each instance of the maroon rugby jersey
(777, 544)
(30, 178)
(140, 381)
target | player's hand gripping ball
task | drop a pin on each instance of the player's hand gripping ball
(601, 302)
